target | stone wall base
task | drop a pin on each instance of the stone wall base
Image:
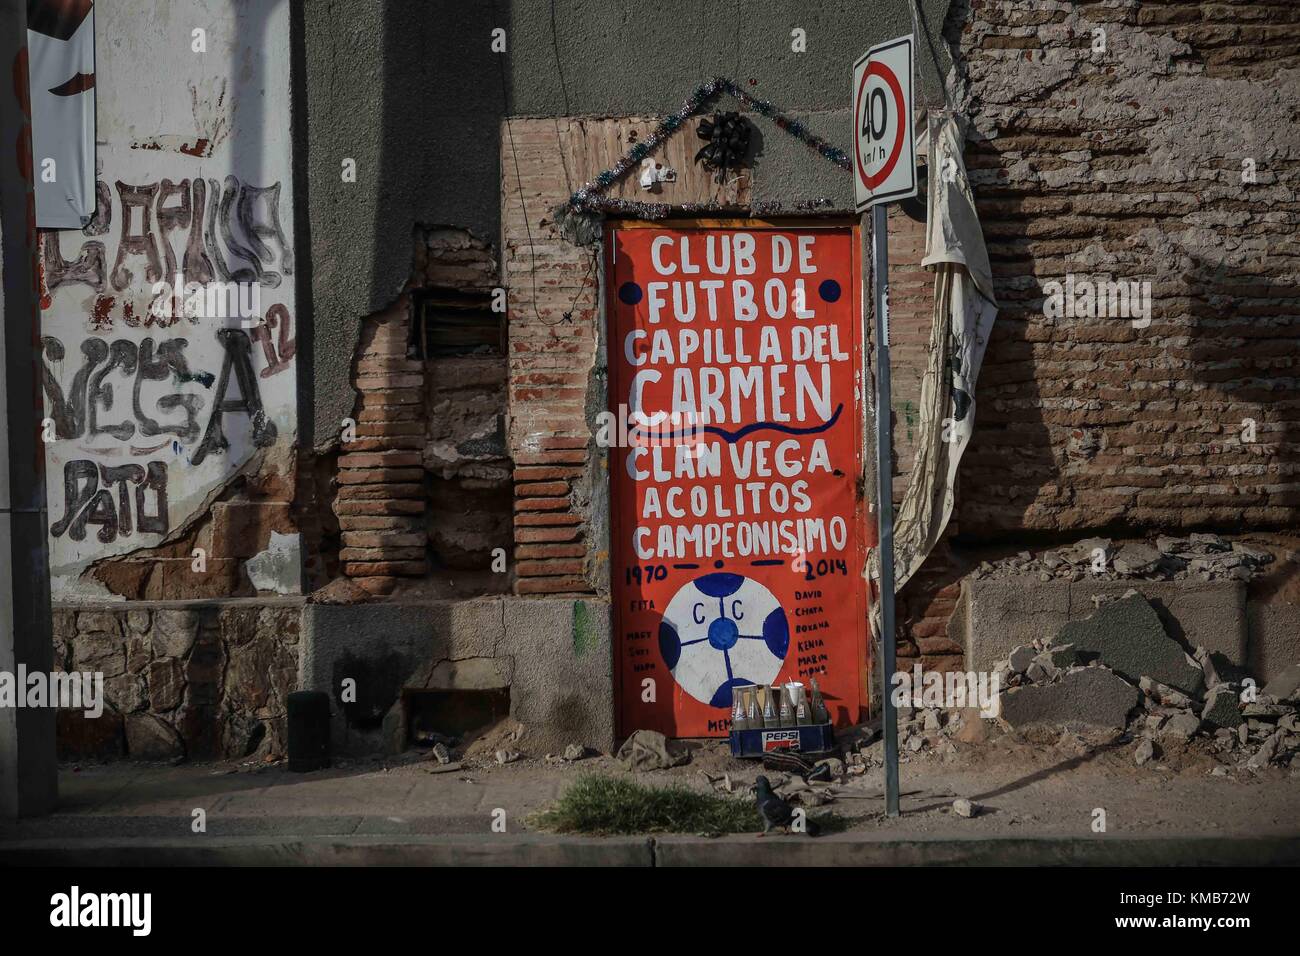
(182, 680)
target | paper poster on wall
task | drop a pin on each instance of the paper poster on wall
(61, 80)
(737, 526)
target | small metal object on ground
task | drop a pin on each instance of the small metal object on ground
(309, 731)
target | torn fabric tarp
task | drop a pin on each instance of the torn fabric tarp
(964, 310)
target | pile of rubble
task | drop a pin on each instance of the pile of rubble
(1116, 675)
(1119, 669)
(1206, 557)
(922, 732)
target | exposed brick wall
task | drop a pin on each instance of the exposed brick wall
(1128, 163)
(235, 528)
(427, 474)
(551, 356)
(1121, 165)
(911, 311)
(380, 499)
(466, 460)
(554, 333)
(923, 610)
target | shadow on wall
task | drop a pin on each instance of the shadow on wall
(442, 102)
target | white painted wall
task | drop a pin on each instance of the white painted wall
(177, 126)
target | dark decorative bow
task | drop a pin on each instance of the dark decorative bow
(727, 136)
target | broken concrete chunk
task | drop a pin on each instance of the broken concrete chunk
(1136, 558)
(1091, 696)
(1060, 656)
(1146, 750)
(1208, 542)
(1166, 695)
(1130, 639)
(1253, 555)
(1285, 684)
(1170, 545)
(575, 752)
(1021, 658)
(1266, 711)
(1206, 660)
(1037, 673)
(1221, 707)
(965, 808)
(1266, 752)
(1183, 726)
(1083, 550)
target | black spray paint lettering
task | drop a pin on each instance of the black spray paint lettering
(88, 499)
(78, 412)
(178, 207)
(170, 361)
(238, 356)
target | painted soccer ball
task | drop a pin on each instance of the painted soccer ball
(722, 631)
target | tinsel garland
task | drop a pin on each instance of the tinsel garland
(589, 197)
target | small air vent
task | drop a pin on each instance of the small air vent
(449, 323)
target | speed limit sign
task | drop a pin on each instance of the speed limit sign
(884, 158)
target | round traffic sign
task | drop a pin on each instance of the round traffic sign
(886, 76)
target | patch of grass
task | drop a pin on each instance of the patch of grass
(608, 806)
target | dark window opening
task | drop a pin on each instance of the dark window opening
(431, 714)
(449, 323)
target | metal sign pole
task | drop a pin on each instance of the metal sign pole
(885, 500)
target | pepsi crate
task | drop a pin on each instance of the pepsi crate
(805, 739)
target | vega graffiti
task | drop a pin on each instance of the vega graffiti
(92, 411)
(203, 230)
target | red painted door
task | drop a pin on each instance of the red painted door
(735, 451)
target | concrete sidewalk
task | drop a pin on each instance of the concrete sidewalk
(413, 812)
(841, 849)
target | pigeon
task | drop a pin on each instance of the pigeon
(776, 812)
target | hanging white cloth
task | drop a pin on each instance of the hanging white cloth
(964, 310)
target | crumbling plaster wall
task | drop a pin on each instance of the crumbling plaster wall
(412, 91)
(554, 655)
(1129, 163)
(147, 462)
(1125, 164)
